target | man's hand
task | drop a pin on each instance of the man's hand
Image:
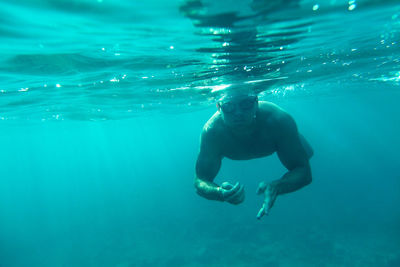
(270, 195)
(233, 194)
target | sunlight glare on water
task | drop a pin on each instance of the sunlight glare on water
(78, 57)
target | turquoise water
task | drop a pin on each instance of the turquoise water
(101, 108)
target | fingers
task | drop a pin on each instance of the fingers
(271, 202)
(235, 192)
(261, 187)
(226, 185)
(237, 198)
(229, 190)
(242, 196)
(261, 212)
(265, 208)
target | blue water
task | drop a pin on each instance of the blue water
(101, 108)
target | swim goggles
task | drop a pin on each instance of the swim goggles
(244, 104)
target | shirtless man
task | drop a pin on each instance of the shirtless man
(244, 128)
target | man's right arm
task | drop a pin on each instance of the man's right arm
(207, 167)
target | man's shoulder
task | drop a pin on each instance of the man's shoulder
(278, 120)
(213, 126)
(272, 113)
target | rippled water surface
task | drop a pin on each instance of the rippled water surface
(100, 60)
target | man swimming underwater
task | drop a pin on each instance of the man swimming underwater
(245, 128)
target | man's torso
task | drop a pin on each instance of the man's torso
(259, 143)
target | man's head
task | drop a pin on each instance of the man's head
(238, 109)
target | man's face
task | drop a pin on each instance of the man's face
(239, 111)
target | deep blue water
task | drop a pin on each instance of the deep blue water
(101, 108)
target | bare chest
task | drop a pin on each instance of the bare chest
(255, 146)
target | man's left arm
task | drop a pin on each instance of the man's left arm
(293, 156)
